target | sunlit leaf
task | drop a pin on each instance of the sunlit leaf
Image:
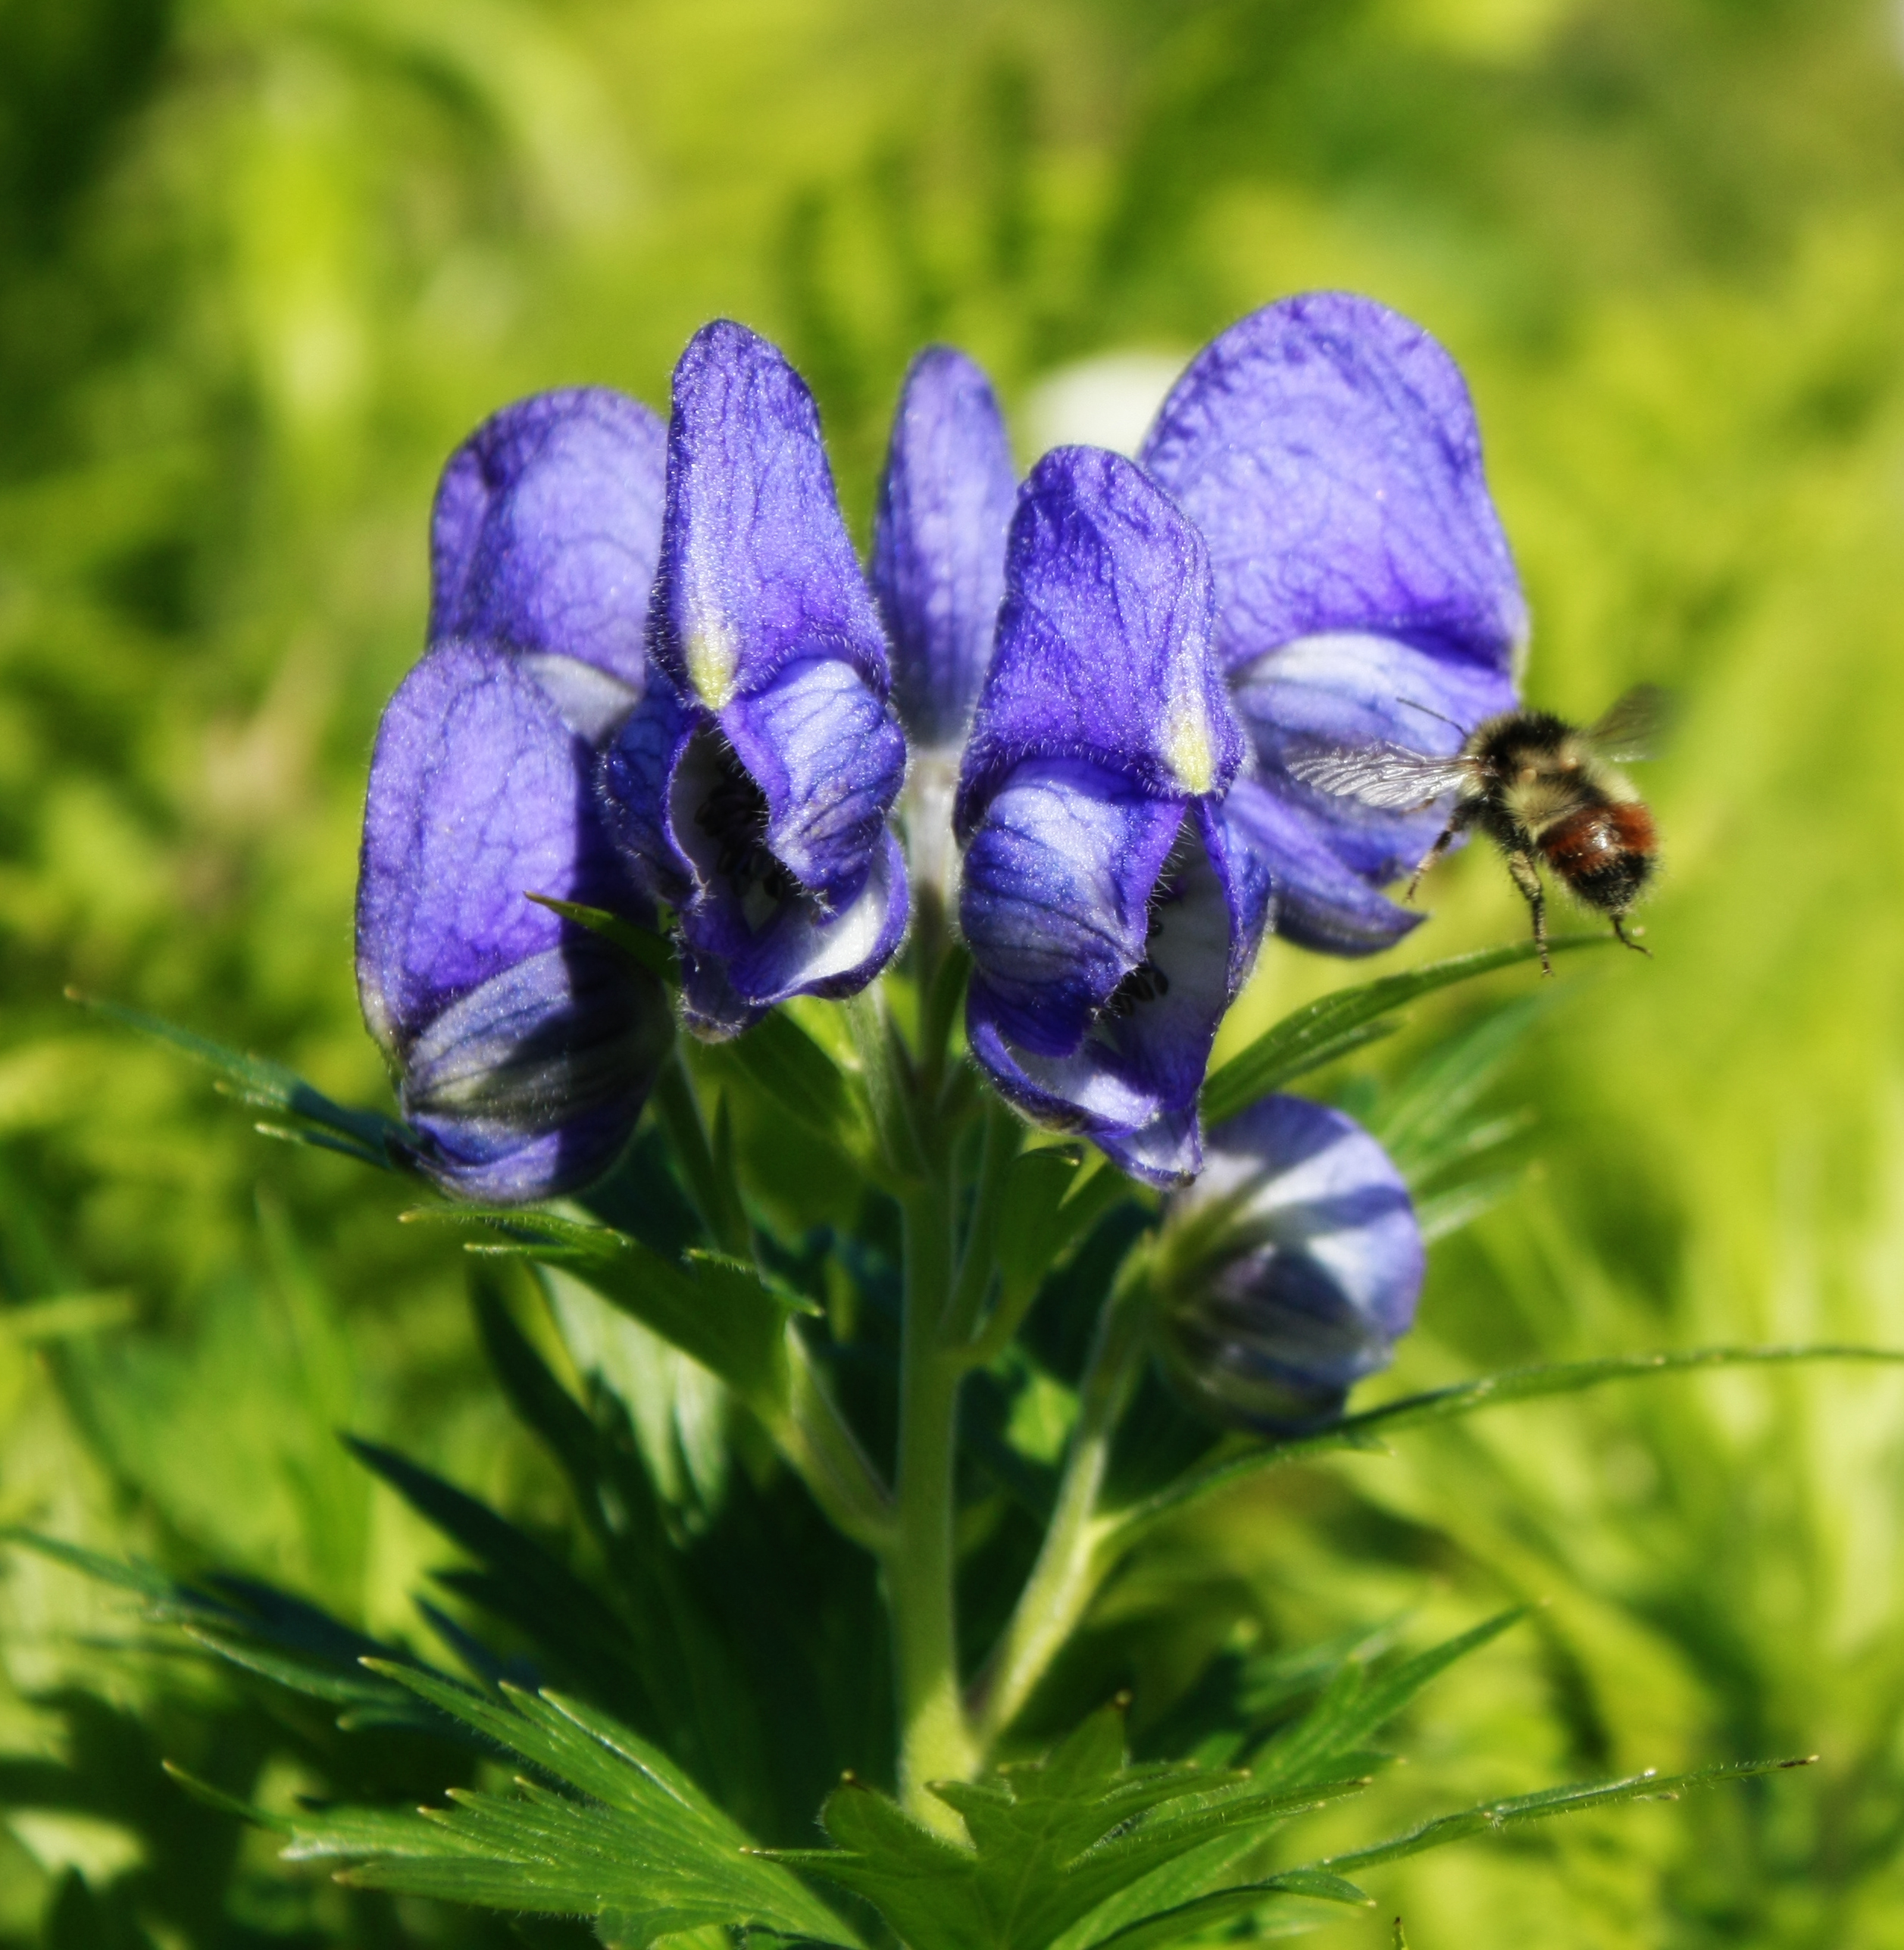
(1316, 1033)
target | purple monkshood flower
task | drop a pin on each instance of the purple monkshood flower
(1110, 913)
(524, 1046)
(1286, 1274)
(1327, 449)
(750, 788)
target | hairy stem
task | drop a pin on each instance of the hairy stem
(1069, 1566)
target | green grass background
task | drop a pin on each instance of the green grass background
(263, 262)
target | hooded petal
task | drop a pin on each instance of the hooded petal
(1289, 1270)
(758, 572)
(829, 761)
(1330, 855)
(545, 539)
(1055, 897)
(530, 1085)
(512, 1031)
(1110, 916)
(938, 542)
(732, 975)
(750, 790)
(1130, 1080)
(1327, 449)
(1103, 651)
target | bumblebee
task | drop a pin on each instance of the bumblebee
(1544, 791)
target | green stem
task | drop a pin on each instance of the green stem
(935, 1738)
(716, 1198)
(1069, 1566)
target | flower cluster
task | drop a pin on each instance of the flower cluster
(659, 683)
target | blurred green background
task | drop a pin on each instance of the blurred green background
(263, 262)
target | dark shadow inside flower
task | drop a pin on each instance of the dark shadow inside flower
(535, 1077)
(1109, 945)
(752, 934)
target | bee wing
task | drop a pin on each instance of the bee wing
(1388, 775)
(1635, 726)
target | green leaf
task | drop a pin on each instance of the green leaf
(367, 1136)
(1050, 1841)
(140, 1579)
(1366, 1430)
(64, 1317)
(1052, 1197)
(628, 1837)
(1491, 1817)
(652, 951)
(1321, 1032)
(1358, 1702)
(792, 1071)
(1221, 1906)
(728, 1315)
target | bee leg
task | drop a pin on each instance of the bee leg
(1620, 929)
(1526, 878)
(1433, 854)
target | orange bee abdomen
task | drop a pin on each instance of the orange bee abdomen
(1604, 852)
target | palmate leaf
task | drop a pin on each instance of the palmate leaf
(1338, 1024)
(1324, 1743)
(1050, 1841)
(612, 1830)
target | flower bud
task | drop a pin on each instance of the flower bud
(1288, 1271)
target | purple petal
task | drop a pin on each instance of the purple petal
(546, 531)
(829, 761)
(524, 1046)
(732, 975)
(1130, 1080)
(1103, 647)
(938, 542)
(1291, 1267)
(479, 795)
(1330, 854)
(1053, 897)
(531, 1084)
(1327, 449)
(1320, 903)
(757, 571)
